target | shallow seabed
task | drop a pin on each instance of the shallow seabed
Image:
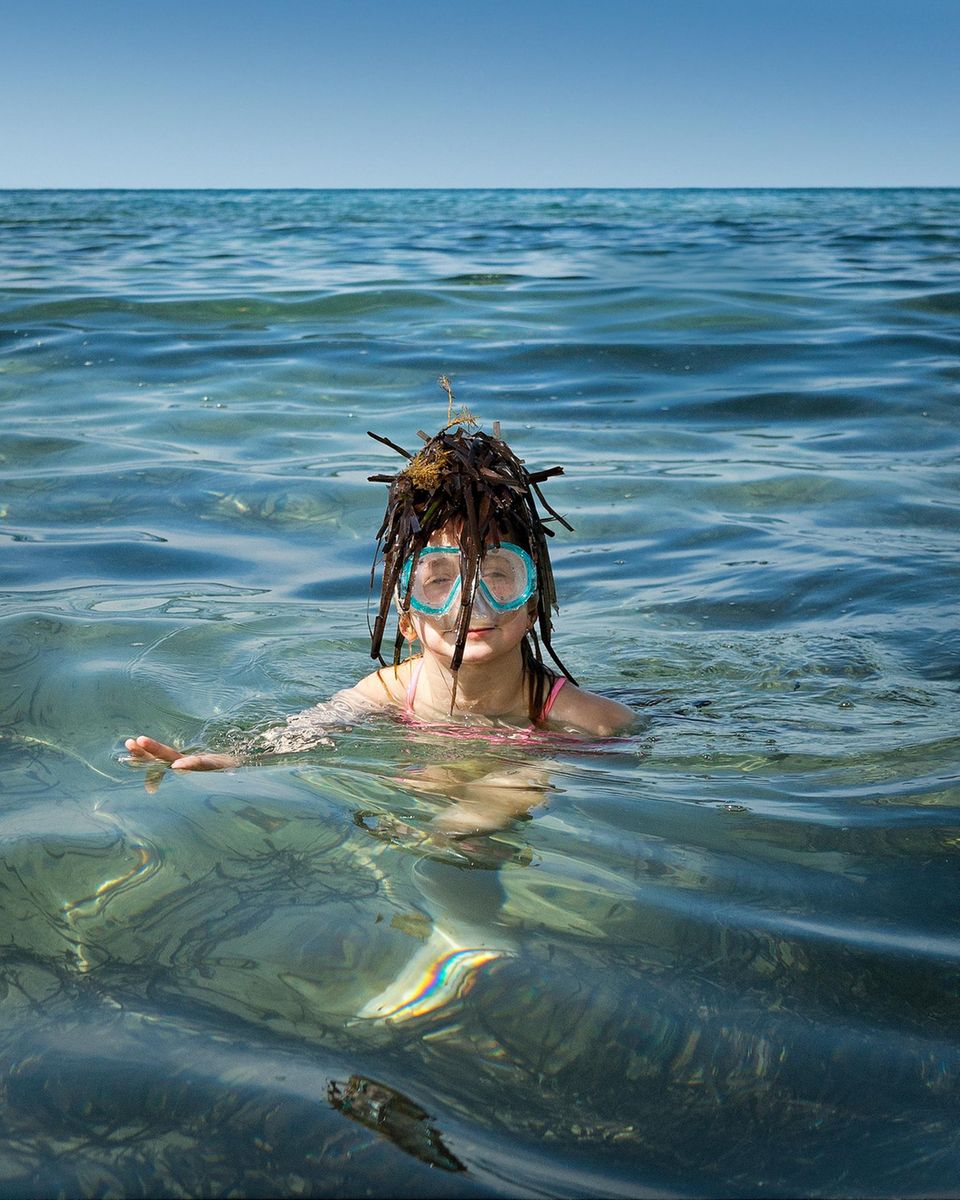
(722, 957)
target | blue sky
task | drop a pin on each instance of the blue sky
(479, 93)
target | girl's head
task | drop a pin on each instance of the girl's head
(462, 535)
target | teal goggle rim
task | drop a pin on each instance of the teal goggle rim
(429, 611)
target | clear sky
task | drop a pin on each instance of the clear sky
(479, 93)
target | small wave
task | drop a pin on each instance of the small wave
(485, 279)
(946, 303)
(341, 305)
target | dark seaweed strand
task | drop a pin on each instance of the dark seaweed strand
(476, 480)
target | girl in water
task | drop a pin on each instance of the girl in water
(466, 565)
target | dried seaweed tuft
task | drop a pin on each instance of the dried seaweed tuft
(473, 482)
(426, 469)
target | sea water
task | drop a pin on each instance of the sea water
(719, 956)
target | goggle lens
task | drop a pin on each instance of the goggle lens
(507, 576)
(436, 581)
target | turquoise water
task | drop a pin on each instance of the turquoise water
(722, 956)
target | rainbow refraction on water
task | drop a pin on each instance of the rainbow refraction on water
(717, 957)
(438, 980)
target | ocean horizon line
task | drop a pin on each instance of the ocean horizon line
(884, 187)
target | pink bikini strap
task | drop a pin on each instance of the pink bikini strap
(554, 692)
(412, 685)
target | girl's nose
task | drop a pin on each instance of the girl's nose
(482, 612)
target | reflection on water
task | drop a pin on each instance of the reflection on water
(720, 957)
(433, 976)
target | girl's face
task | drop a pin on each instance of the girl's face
(491, 634)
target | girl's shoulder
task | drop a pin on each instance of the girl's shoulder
(591, 713)
(387, 686)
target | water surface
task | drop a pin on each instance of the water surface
(722, 956)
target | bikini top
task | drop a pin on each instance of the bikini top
(415, 679)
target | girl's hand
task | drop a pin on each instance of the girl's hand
(145, 750)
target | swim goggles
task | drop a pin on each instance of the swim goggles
(508, 579)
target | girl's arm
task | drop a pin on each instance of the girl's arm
(301, 731)
(306, 729)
